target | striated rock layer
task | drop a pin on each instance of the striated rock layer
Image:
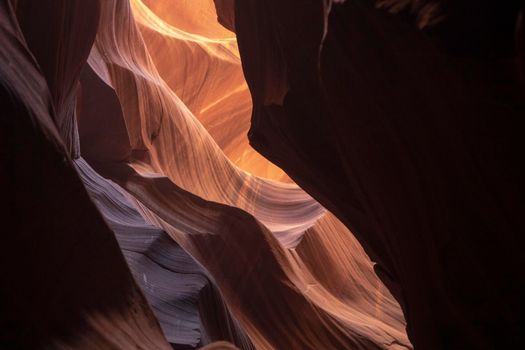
(60, 259)
(153, 127)
(144, 219)
(256, 261)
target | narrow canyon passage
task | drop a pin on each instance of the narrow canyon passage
(262, 174)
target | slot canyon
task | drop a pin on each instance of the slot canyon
(262, 174)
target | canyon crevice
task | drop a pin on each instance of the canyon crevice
(258, 174)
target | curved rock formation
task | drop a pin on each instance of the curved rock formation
(144, 219)
(411, 139)
(215, 235)
(209, 270)
(61, 259)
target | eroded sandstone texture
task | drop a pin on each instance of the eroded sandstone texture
(383, 211)
(412, 138)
